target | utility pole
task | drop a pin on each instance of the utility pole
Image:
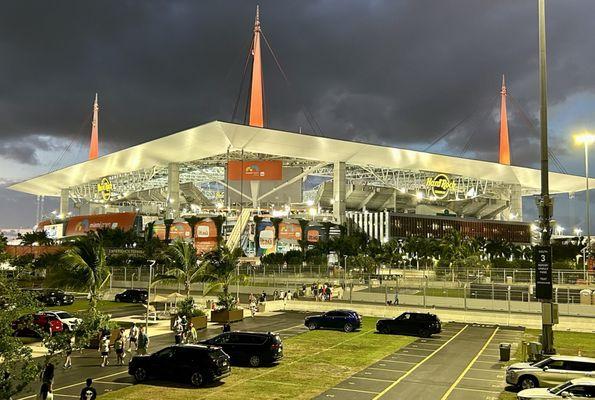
(543, 257)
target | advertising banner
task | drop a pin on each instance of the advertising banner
(290, 231)
(543, 273)
(269, 170)
(315, 234)
(54, 231)
(267, 238)
(82, 224)
(179, 230)
(205, 236)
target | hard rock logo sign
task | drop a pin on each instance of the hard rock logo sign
(440, 185)
(104, 188)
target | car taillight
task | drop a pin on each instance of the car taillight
(275, 346)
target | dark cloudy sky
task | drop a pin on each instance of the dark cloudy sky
(393, 72)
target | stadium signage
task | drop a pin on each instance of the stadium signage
(440, 185)
(104, 188)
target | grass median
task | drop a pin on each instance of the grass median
(105, 306)
(314, 361)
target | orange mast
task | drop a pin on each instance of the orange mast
(94, 146)
(504, 156)
(256, 92)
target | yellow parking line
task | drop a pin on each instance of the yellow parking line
(370, 379)
(468, 367)
(395, 383)
(385, 369)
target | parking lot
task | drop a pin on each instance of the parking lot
(460, 363)
(69, 383)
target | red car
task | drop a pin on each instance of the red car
(33, 325)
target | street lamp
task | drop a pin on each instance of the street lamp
(586, 139)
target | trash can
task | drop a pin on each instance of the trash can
(585, 296)
(505, 351)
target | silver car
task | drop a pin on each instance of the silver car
(550, 371)
(581, 388)
(69, 321)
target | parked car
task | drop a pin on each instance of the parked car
(550, 371)
(33, 325)
(133, 296)
(52, 297)
(195, 363)
(254, 348)
(581, 388)
(411, 323)
(69, 321)
(346, 320)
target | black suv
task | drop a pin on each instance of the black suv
(52, 297)
(254, 348)
(346, 320)
(133, 296)
(195, 363)
(410, 323)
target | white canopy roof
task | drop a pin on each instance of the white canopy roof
(215, 137)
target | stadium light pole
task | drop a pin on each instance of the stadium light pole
(586, 139)
(545, 202)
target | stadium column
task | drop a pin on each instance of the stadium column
(64, 196)
(339, 183)
(173, 190)
(516, 202)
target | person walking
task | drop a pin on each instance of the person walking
(47, 376)
(226, 327)
(192, 334)
(396, 302)
(119, 345)
(143, 342)
(45, 392)
(88, 392)
(68, 353)
(104, 350)
(133, 337)
(179, 331)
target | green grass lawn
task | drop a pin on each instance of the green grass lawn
(566, 343)
(314, 361)
(102, 305)
(443, 292)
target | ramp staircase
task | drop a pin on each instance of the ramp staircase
(233, 241)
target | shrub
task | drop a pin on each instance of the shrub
(188, 309)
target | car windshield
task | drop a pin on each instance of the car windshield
(63, 315)
(216, 353)
(560, 388)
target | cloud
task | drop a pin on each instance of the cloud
(26, 150)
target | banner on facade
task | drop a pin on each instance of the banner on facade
(268, 170)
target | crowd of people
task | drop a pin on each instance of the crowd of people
(135, 340)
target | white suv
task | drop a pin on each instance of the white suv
(70, 323)
(550, 371)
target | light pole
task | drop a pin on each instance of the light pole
(152, 263)
(586, 139)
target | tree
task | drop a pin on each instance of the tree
(17, 366)
(183, 266)
(219, 270)
(83, 267)
(364, 263)
(35, 238)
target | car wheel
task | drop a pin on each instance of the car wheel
(197, 379)
(424, 333)
(528, 382)
(348, 327)
(140, 374)
(384, 330)
(312, 326)
(117, 299)
(254, 361)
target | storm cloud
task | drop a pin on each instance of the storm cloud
(399, 73)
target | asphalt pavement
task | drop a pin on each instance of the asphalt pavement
(68, 383)
(460, 363)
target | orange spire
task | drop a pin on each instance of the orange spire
(256, 92)
(94, 146)
(504, 144)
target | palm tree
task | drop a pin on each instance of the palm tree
(83, 267)
(183, 266)
(219, 269)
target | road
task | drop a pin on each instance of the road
(460, 363)
(68, 383)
